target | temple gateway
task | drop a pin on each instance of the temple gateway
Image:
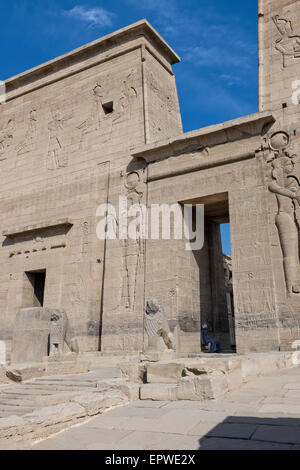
(102, 122)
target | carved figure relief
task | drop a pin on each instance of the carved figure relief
(109, 109)
(92, 123)
(157, 328)
(6, 138)
(85, 233)
(57, 156)
(28, 143)
(125, 101)
(60, 333)
(286, 187)
(133, 249)
(289, 43)
(165, 100)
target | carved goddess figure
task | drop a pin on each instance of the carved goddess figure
(286, 186)
(93, 122)
(27, 144)
(6, 138)
(57, 157)
(289, 43)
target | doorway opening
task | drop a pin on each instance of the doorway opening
(215, 271)
(226, 248)
(34, 288)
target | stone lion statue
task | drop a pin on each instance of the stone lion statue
(61, 333)
(157, 328)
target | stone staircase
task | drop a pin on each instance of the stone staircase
(40, 407)
(37, 408)
(24, 398)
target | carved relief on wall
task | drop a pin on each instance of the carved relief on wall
(6, 138)
(85, 234)
(286, 187)
(125, 100)
(28, 143)
(164, 93)
(57, 156)
(163, 101)
(133, 249)
(92, 123)
(109, 107)
(289, 42)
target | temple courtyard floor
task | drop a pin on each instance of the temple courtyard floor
(261, 415)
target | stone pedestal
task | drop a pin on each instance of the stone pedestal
(156, 356)
(2, 353)
(31, 335)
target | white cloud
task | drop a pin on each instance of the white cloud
(216, 57)
(92, 16)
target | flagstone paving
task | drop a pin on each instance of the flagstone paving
(264, 414)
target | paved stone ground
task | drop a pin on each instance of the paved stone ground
(263, 414)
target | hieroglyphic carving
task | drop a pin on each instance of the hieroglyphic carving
(6, 138)
(85, 233)
(256, 322)
(28, 143)
(227, 261)
(286, 187)
(289, 43)
(133, 249)
(57, 156)
(157, 328)
(249, 302)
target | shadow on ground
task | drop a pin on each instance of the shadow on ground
(251, 433)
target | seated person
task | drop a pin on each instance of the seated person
(212, 344)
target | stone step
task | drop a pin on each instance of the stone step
(106, 372)
(30, 391)
(158, 392)
(7, 414)
(10, 402)
(50, 388)
(17, 409)
(19, 396)
(63, 383)
(67, 379)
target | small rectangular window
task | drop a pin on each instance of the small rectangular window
(108, 107)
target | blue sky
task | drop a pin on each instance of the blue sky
(216, 40)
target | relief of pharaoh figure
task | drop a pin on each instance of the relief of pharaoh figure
(60, 333)
(133, 248)
(286, 186)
